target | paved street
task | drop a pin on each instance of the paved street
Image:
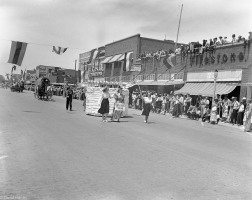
(48, 153)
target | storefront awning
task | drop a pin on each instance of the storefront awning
(106, 60)
(122, 57)
(206, 89)
(115, 58)
(159, 83)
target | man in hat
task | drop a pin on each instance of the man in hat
(69, 98)
(225, 40)
(220, 42)
(233, 38)
(236, 105)
(241, 111)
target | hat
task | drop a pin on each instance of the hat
(244, 98)
(232, 97)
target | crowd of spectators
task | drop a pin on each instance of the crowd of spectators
(196, 47)
(209, 45)
(156, 54)
(196, 108)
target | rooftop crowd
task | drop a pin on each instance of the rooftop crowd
(197, 47)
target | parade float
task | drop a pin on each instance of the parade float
(94, 94)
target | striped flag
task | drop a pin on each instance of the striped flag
(59, 50)
(170, 60)
(17, 52)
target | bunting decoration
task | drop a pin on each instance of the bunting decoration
(59, 50)
(170, 60)
(17, 52)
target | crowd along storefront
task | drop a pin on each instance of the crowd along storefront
(227, 83)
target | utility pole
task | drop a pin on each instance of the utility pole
(178, 27)
(75, 73)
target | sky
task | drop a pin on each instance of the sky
(82, 25)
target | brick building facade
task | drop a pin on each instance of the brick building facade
(232, 61)
(124, 68)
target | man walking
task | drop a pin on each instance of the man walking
(69, 98)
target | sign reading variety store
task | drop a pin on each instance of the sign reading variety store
(231, 75)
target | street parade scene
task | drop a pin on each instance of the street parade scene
(125, 100)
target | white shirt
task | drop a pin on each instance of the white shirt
(147, 100)
(105, 95)
(241, 108)
(236, 105)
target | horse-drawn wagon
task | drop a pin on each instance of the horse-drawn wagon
(17, 87)
(41, 89)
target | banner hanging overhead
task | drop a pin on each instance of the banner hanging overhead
(17, 52)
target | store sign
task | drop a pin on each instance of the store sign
(85, 57)
(135, 68)
(96, 73)
(232, 75)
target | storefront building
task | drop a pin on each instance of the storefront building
(232, 65)
(57, 74)
(121, 64)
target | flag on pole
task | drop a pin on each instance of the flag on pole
(17, 52)
(59, 50)
(170, 60)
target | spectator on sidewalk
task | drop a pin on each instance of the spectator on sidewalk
(235, 111)
(241, 111)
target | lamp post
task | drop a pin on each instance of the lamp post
(215, 78)
(212, 118)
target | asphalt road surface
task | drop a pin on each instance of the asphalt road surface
(48, 153)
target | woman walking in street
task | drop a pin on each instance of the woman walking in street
(147, 106)
(104, 109)
(119, 105)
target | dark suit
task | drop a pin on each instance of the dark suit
(69, 98)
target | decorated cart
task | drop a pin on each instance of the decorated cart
(93, 99)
